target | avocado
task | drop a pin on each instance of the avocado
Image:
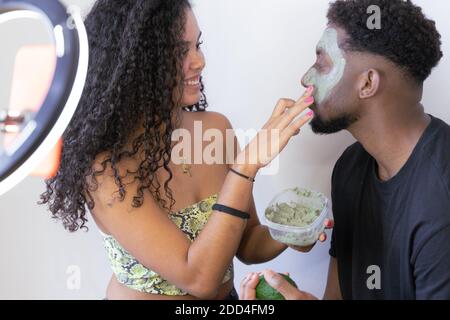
(265, 292)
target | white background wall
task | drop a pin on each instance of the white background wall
(257, 51)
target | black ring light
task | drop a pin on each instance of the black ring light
(43, 131)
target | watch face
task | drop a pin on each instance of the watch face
(43, 69)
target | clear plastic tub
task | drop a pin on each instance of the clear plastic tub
(308, 209)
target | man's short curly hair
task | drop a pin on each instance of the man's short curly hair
(407, 37)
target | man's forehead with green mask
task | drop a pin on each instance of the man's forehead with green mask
(324, 83)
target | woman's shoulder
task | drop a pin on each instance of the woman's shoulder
(211, 119)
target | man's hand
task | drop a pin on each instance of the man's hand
(276, 281)
(329, 224)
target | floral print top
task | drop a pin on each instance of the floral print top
(134, 275)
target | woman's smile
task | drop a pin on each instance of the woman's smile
(193, 82)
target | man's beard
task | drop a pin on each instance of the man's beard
(332, 126)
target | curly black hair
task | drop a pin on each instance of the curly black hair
(407, 37)
(136, 57)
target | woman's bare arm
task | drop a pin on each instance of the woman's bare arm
(153, 239)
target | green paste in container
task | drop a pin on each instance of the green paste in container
(297, 213)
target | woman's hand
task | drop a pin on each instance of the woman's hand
(276, 133)
(329, 224)
(276, 281)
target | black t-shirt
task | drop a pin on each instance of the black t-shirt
(392, 239)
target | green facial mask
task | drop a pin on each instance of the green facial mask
(324, 83)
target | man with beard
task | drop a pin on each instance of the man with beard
(391, 189)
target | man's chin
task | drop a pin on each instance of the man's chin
(320, 126)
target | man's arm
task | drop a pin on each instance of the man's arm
(432, 267)
(333, 290)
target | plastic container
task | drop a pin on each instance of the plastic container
(308, 209)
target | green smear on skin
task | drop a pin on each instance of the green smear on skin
(325, 83)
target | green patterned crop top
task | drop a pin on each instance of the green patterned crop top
(134, 275)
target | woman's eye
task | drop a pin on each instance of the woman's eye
(199, 44)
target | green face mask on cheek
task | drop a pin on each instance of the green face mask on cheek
(324, 83)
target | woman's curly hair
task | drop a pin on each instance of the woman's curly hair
(136, 57)
(407, 37)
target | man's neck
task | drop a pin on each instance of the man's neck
(391, 138)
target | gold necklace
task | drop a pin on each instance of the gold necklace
(186, 167)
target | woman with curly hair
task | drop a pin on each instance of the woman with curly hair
(170, 230)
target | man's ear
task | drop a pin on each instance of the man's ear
(369, 83)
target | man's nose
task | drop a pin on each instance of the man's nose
(305, 81)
